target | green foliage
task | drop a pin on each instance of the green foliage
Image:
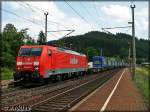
(10, 44)
(113, 45)
(6, 73)
(27, 39)
(30, 41)
(11, 40)
(91, 52)
(8, 60)
(41, 38)
(141, 79)
(61, 43)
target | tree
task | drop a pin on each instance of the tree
(61, 43)
(113, 45)
(26, 38)
(91, 52)
(30, 41)
(9, 28)
(41, 38)
(11, 41)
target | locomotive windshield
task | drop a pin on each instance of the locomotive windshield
(30, 51)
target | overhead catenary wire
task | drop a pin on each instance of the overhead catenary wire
(118, 27)
(104, 29)
(94, 6)
(33, 21)
(57, 23)
(78, 14)
(43, 11)
(59, 30)
(60, 24)
(26, 19)
(89, 13)
(10, 12)
(5, 10)
(53, 35)
(33, 10)
(69, 32)
(84, 7)
(28, 7)
(38, 8)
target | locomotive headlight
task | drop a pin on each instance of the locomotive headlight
(18, 68)
(36, 68)
(19, 63)
(35, 63)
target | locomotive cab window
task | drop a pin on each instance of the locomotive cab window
(49, 52)
(30, 52)
(36, 51)
(24, 52)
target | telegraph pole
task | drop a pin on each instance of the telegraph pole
(133, 43)
(46, 26)
(129, 55)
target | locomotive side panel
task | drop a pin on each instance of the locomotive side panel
(65, 62)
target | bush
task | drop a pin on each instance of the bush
(141, 79)
(6, 73)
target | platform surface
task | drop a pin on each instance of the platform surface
(118, 94)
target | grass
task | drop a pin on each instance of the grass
(6, 73)
(142, 81)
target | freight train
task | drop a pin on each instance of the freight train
(41, 62)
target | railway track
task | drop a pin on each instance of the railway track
(9, 89)
(32, 93)
(57, 94)
(64, 100)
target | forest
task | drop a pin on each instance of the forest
(109, 45)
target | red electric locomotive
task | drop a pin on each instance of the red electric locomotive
(42, 61)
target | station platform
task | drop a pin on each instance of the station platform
(117, 94)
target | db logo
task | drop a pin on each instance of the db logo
(73, 61)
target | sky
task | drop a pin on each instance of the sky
(81, 16)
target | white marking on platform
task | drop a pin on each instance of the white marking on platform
(87, 97)
(109, 97)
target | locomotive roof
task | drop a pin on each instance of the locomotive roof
(70, 51)
(58, 48)
(30, 46)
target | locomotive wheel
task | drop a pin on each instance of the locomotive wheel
(62, 77)
(55, 78)
(59, 78)
(41, 80)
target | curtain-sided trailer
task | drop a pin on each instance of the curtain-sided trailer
(101, 63)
